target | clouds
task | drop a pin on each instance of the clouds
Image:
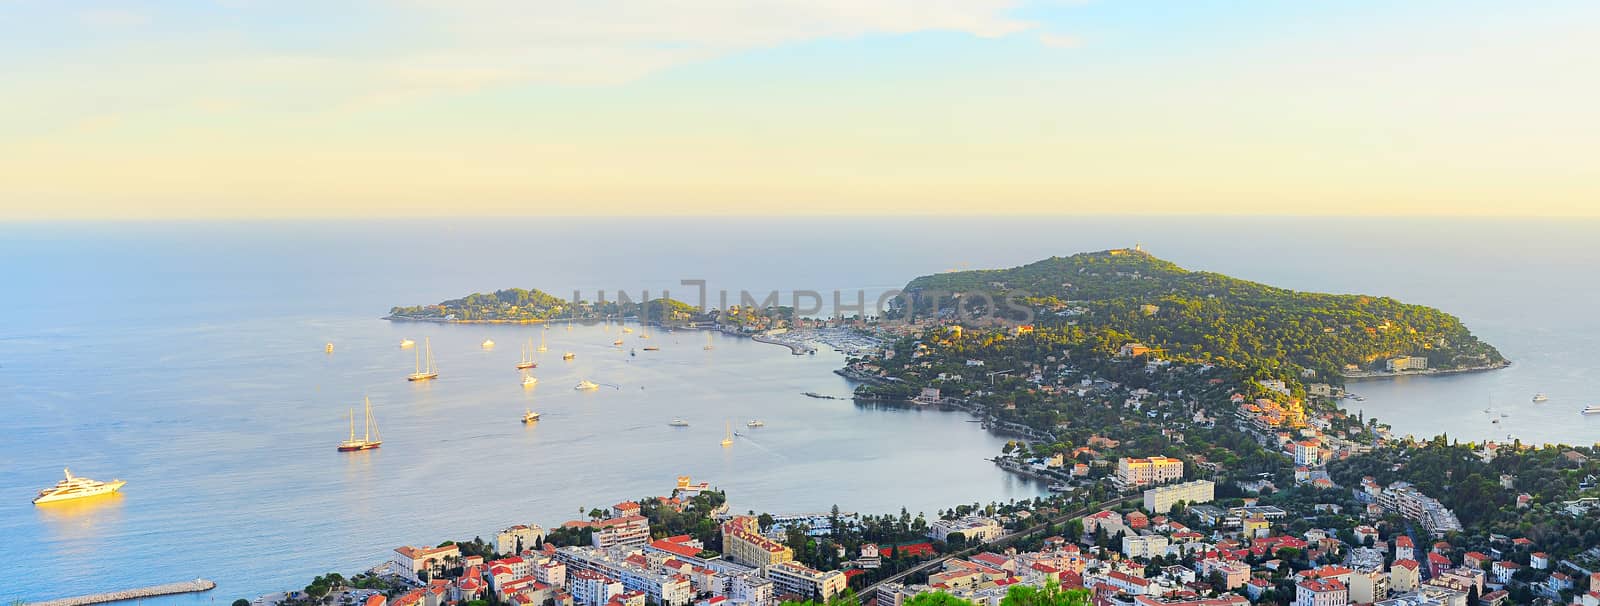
(619, 40)
(1060, 41)
(112, 18)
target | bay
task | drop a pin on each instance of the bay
(187, 359)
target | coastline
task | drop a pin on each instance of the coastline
(1372, 375)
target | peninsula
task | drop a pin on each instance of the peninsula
(1128, 302)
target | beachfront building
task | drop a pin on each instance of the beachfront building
(415, 561)
(743, 543)
(1161, 498)
(626, 531)
(1403, 363)
(1133, 473)
(516, 539)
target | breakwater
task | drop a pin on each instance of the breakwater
(194, 586)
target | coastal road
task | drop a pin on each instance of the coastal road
(870, 591)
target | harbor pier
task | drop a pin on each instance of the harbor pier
(194, 586)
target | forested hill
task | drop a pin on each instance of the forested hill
(1120, 296)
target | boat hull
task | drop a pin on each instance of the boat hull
(357, 447)
(423, 377)
(526, 365)
(98, 491)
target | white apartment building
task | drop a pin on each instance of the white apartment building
(973, 528)
(792, 578)
(1144, 546)
(1161, 498)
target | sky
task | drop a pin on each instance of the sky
(241, 109)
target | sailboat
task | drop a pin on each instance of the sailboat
(708, 346)
(526, 361)
(369, 436)
(424, 372)
(541, 341)
(727, 439)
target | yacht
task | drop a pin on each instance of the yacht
(407, 344)
(328, 348)
(1539, 397)
(369, 437)
(1592, 409)
(76, 488)
(568, 356)
(488, 343)
(529, 380)
(679, 423)
(424, 372)
(529, 417)
(617, 342)
(727, 439)
(526, 361)
(756, 423)
(586, 385)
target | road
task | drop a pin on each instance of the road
(870, 591)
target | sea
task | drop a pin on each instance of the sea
(187, 358)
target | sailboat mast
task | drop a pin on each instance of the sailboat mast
(430, 355)
(352, 424)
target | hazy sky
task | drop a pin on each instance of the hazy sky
(419, 107)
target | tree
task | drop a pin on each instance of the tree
(936, 598)
(1049, 595)
(241, 602)
(957, 541)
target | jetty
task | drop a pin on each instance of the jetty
(798, 349)
(195, 586)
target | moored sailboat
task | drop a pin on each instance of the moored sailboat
(424, 372)
(526, 361)
(369, 436)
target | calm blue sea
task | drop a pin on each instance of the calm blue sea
(186, 358)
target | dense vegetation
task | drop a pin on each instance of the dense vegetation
(520, 305)
(1462, 480)
(1121, 296)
